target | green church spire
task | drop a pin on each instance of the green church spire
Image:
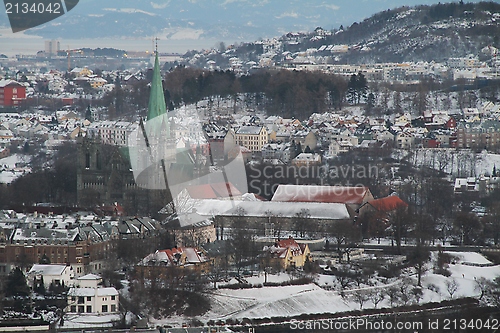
(156, 105)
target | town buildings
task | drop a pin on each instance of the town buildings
(163, 262)
(252, 137)
(84, 244)
(286, 253)
(12, 93)
(93, 300)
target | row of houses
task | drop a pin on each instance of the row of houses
(84, 243)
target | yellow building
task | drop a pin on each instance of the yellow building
(252, 137)
(287, 253)
(79, 72)
(97, 82)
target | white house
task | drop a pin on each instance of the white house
(88, 281)
(93, 300)
(306, 159)
(337, 147)
(405, 140)
(59, 274)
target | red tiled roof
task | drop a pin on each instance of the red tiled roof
(213, 191)
(201, 192)
(288, 243)
(388, 204)
(326, 194)
(225, 190)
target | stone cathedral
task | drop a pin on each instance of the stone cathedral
(105, 174)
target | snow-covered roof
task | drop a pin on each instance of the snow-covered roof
(6, 82)
(250, 130)
(180, 256)
(90, 276)
(316, 210)
(317, 193)
(89, 292)
(47, 269)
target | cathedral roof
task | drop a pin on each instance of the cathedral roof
(156, 105)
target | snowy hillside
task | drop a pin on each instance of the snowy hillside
(422, 33)
(403, 34)
(266, 302)
(459, 163)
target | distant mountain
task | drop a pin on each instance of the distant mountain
(228, 20)
(421, 33)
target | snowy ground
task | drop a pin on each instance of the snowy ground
(13, 167)
(89, 321)
(460, 163)
(287, 301)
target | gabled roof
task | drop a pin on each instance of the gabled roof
(8, 82)
(388, 204)
(316, 193)
(175, 257)
(280, 248)
(91, 277)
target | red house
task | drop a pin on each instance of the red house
(451, 123)
(11, 93)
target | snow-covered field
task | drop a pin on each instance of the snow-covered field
(288, 301)
(89, 321)
(12, 167)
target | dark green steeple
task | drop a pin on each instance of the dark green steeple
(156, 105)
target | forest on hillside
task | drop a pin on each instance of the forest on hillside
(295, 94)
(288, 93)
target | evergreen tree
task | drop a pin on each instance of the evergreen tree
(298, 149)
(361, 86)
(88, 113)
(370, 103)
(357, 88)
(16, 284)
(351, 89)
(44, 259)
(39, 286)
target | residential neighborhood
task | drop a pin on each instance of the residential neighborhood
(224, 189)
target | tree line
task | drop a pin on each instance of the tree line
(281, 92)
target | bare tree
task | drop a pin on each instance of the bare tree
(417, 294)
(344, 276)
(301, 219)
(418, 258)
(360, 296)
(393, 295)
(451, 287)
(405, 292)
(483, 286)
(376, 296)
(345, 235)
(243, 244)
